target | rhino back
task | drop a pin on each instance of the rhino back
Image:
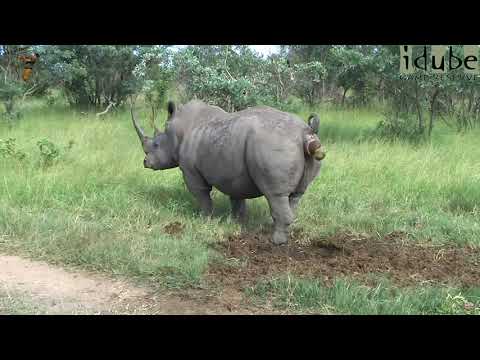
(193, 114)
(247, 153)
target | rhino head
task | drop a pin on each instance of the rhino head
(159, 149)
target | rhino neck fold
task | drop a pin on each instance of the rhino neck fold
(175, 142)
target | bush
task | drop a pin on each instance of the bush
(51, 99)
(293, 104)
(398, 126)
(9, 93)
(8, 149)
(49, 152)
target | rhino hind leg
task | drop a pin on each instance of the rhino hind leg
(239, 209)
(282, 215)
(294, 199)
(310, 172)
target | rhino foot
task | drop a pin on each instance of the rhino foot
(280, 237)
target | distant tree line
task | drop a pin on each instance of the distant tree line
(235, 77)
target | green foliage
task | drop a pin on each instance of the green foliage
(395, 126)
(292, 104)
(428, 98)
(308, 78)
(50, 100)
(235, 77)
(8, 149)
(52, 97)
(92, 74)
(50, 152)
(9, 90)
(9, 93)
(208, 73)
(154, 72)
(354, 66)
(370, 73)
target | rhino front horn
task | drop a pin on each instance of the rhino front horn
(139, 130)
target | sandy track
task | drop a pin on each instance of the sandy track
(61, 291)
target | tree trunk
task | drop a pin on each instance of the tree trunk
(9, 106)
(432, 111)
(344, 94)
(421, 125)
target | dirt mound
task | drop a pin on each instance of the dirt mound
(252, 256)
(174, 228)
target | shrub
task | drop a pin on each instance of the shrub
(8, 149)
(293, 104)
(49, 152)
(398, 126)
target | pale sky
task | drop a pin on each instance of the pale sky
(264, 50)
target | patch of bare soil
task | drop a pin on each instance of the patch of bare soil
(251, 257)
(174, 228)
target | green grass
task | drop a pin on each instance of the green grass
(97, 206)
(19, 305)
(23, 304)
(347, 297)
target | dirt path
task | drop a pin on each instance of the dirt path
(61, 291)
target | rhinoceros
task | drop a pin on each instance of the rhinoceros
(259, 151)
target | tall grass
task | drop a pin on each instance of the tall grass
(98, 207)
(347, 297)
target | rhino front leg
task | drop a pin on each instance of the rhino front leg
(205, 202)
(239, 209)
(200, 190)
(282, 217)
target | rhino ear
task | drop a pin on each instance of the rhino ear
(171, 108)
(314, 122)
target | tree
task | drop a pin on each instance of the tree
(12, 85)
(415, 99)
(354, 65)
(235, 77)
(228, 76)
(94, 75)
(298, 54)
(154, 73)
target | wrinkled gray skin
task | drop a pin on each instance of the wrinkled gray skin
(255, 152)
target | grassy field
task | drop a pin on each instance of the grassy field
(15, 304)
(347, 297)
(96, 206)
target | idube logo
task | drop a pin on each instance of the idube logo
(440, 61)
